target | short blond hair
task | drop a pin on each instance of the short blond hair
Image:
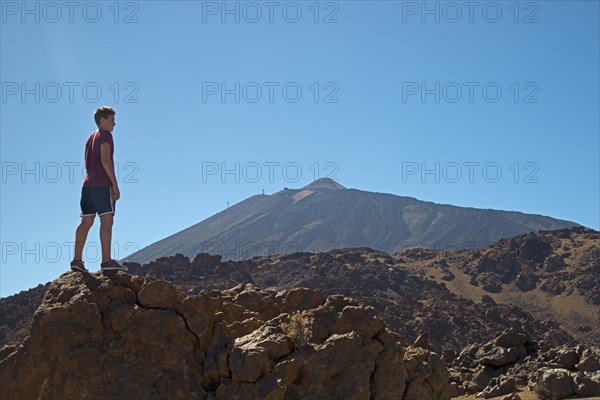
(103, 112)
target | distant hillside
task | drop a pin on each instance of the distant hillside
(325, 215)
(555, 275)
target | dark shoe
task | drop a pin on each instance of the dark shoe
(112, 265)
(78, 266)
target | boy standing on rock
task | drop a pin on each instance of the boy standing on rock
(99, 192)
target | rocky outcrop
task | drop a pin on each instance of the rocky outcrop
(123, 336)
(513, 360)
(567, 371)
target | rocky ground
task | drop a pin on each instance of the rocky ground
(554, 275)
(131, 337)
(513, 360)
(445, 302)
(408, 303)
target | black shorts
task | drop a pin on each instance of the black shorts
(97, 200)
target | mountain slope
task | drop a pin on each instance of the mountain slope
(554, 275)
(325, 215)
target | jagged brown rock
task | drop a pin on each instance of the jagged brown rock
(512, 359)
(554, 383)
(427, 377)
(122, 336)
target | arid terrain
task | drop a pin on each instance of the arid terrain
(519, 314)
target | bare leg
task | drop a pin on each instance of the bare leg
(81, 235)
(106, 224)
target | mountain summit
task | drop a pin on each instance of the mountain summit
(323, 183)
(325, 215)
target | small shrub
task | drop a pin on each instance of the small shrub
(297, 329)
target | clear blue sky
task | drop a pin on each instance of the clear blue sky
(368, 126)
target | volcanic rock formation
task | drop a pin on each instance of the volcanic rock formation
(133, 337)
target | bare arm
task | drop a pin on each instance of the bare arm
(109, 167)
